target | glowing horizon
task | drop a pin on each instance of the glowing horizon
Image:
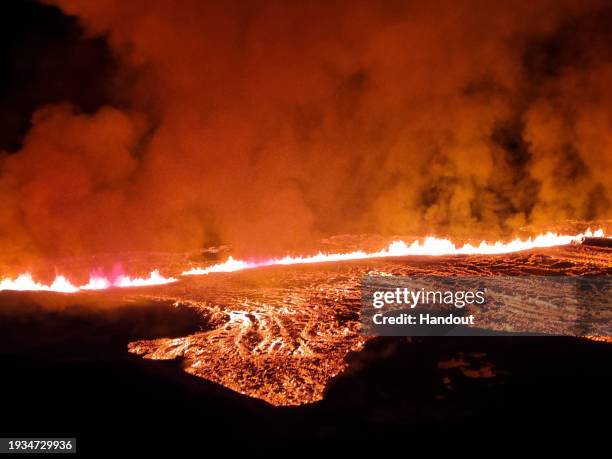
(430, 246)
(25, 283)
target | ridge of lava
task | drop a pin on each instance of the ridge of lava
(430, 246)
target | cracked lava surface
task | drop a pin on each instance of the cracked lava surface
(282, 333)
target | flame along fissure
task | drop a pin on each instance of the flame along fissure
(430, 246)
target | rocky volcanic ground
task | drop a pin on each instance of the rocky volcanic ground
(282, 333)
(229, 346)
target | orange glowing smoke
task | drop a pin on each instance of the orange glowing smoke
(267, 125)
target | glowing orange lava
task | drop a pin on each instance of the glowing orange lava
(430, 246)
(61, 284)
(24, 282)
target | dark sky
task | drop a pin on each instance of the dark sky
(44, 58)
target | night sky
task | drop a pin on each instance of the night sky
(45, 58)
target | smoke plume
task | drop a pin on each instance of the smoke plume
(269, 124)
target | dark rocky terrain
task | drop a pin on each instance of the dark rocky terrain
(228, 344)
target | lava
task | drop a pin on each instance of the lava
(25, 282)
(284, 336)
(430, 246)
(100, 282)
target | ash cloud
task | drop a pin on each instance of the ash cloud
(268, 124)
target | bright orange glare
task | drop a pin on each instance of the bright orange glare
(24, 282)
(430, 246)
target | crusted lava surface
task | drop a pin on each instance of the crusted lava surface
(281, 334)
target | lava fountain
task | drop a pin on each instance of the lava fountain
(430, 246)
(25, 282)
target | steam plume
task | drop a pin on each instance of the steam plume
(268, 124)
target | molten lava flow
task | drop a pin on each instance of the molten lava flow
(430, 246)
(283, 335)
(25, 282)
(97, 282)
(154, 279)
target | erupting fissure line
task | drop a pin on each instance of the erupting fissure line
(429, 246)
(24, 282)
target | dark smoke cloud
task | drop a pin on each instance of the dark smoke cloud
(45, 59)
(268, 124)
